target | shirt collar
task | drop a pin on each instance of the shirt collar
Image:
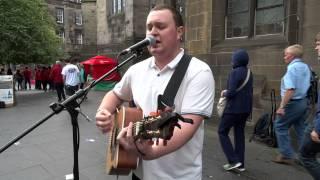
(295, 60)
(172, 63)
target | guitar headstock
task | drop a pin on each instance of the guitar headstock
(158, 126)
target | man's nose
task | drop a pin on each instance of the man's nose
(153, 31)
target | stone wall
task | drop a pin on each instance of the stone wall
(68, 26)
(89, 28)
(198, 26)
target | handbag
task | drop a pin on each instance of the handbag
(222, 103)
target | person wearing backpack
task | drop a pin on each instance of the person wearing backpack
(293, 107)
(311, 142)
(239, 94)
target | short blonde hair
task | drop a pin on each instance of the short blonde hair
(296, 50)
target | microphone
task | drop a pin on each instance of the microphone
(148, 41)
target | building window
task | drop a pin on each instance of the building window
(79, 38)
(118, 6)
(246, 18)
(61, 35)
(237, 19)
(269, 17)
(59, 15)
(78, 18)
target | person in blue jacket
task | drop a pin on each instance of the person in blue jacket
(238, 109)
(311, 143)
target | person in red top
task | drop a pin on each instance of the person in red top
(27, 77)
(57, 79)
(45, 77)
(38, 78)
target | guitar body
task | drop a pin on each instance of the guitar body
(159, 126)
(119, 161)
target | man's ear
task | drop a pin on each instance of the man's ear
(180, 31)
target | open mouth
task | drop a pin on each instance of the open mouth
(156, 44)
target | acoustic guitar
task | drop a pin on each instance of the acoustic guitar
(121, 162)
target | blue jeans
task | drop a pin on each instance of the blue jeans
(308, 154)
(295, 114)
(234, 153)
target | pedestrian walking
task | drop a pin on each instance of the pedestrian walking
(9, 71)
(45, 78)
(57, 80)
(38, 78)
(310, 147)
(70, 73)
(18, 77)
(239, 94)
(293, 107)
(82, 76)
(27, 77)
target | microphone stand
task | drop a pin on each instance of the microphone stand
(72, 105)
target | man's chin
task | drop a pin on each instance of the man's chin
(154, 51)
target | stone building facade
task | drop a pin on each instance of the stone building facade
(68, 16)
(89, 46)
(214, 28)
(121, 23)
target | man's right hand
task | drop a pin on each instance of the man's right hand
(104, 120)
(315, 136)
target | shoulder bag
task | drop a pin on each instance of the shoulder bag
(223, 100)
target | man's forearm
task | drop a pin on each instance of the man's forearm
(110, 102)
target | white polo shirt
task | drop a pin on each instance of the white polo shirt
(71, 74)
(143, 82)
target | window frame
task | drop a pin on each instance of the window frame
(78, 19)
(61, 34)
(269, 7)
(253, 8)
(60, 17)
(117, 6)
(79, 38)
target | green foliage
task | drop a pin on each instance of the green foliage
(27, 33)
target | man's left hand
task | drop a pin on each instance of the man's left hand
(280, 111)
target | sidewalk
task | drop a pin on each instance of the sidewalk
(47, 152)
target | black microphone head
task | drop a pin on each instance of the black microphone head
(151, 39)
(148, 41)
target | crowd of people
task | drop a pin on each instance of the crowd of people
(57, 77)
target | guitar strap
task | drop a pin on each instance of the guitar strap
(167, 99)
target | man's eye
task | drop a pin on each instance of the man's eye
(161, 27)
